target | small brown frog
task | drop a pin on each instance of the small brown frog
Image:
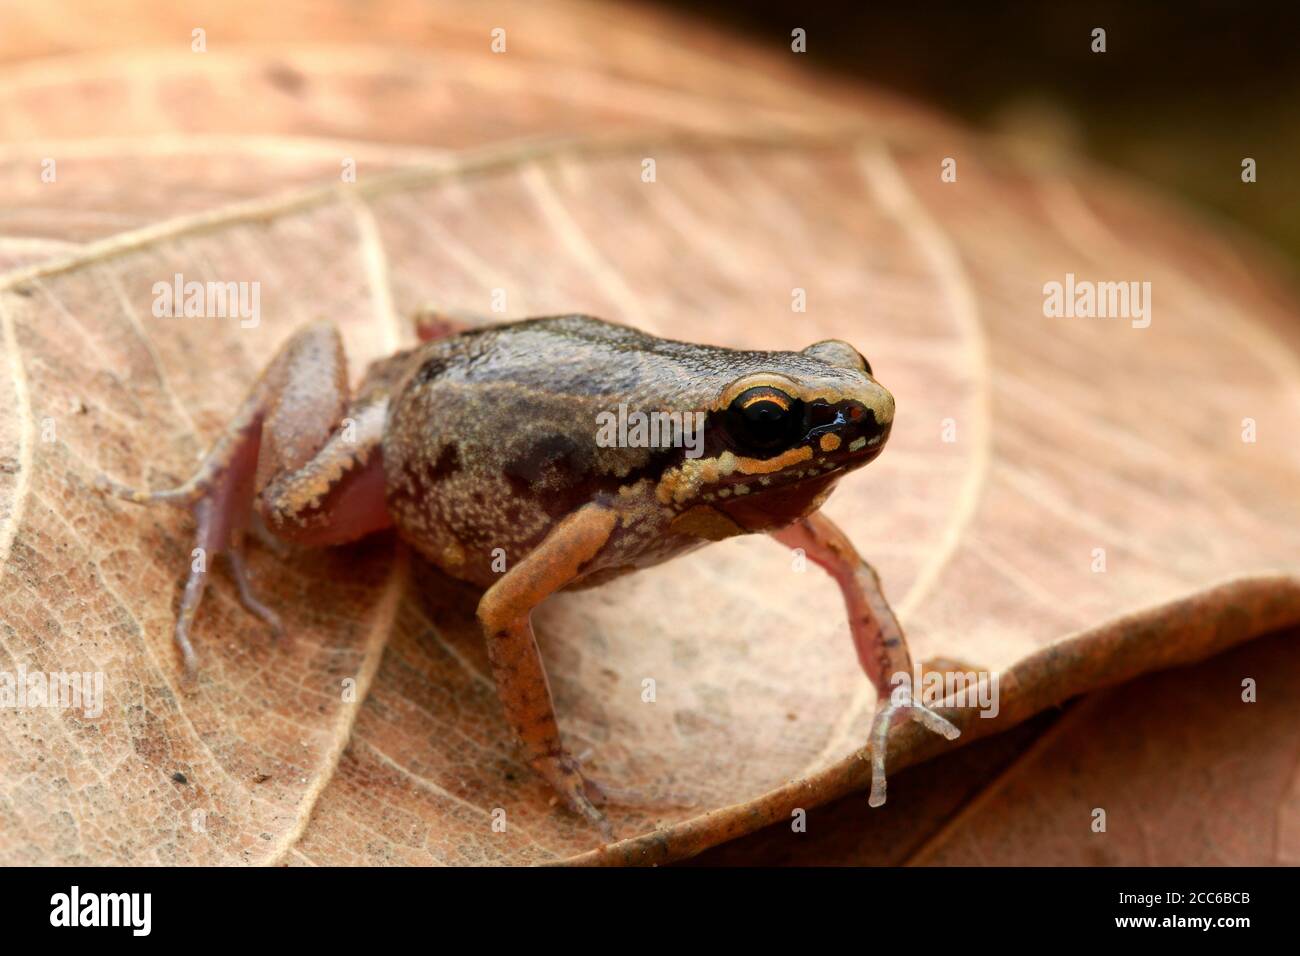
(491, 450)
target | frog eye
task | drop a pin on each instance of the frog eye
(764, 417)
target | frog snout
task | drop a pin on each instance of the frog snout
(881, 406)
(872, 416)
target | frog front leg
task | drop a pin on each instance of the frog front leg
(877, 635)
(504, 613)
(299, 452)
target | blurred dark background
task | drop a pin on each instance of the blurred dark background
(1182, 94)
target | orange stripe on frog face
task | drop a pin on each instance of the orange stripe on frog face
(767, 466)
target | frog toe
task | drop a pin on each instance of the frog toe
(934, 722)
(880, 727)
(247, 597)
(578, 793)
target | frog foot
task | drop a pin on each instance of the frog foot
(207, 498)
(880, 727)
(581, 795)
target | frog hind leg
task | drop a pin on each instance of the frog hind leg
(504, 613)
(432, 323)
(294, 433)
(877, 635)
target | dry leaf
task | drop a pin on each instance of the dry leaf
(1186, 774)
(1071, 435)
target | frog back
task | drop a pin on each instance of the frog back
(493, 437)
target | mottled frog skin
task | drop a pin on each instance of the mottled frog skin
(492, 440)
(483, 447)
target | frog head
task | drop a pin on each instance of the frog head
(780, 436)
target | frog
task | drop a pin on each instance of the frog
(484, 446)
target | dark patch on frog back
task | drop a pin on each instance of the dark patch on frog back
(447, 463)
(555, 470)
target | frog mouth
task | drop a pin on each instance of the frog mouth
(760, 496)
(826, 458)
(860, 450)
(758, 507)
